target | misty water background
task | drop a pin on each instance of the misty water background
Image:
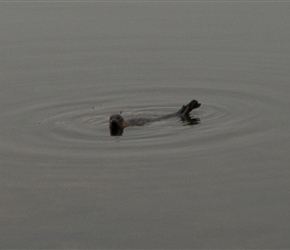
(65, 67)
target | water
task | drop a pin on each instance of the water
(67, 66)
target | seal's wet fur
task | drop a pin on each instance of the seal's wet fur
(118, 123)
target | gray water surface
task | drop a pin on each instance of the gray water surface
(65, 67)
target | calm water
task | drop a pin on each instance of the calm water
(66, 67)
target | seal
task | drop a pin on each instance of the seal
(118, 123)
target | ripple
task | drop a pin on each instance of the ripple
(234, 120)
(79, 129)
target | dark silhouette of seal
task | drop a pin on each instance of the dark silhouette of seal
(118, 123)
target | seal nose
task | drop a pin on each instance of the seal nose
(114, 122)
(115, 129)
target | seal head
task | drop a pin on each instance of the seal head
(117, 124)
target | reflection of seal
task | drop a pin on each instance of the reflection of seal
(118, 123)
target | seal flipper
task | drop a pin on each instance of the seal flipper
(185, 110)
